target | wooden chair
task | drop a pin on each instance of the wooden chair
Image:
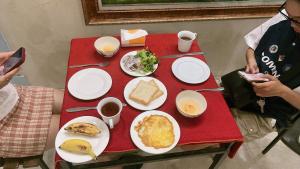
(289, 135)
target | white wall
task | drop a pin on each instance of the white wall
(45, 28)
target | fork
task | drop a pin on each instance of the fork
(102, 64)
(219, 89)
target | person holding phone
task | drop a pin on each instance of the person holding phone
(273, 54)
(29, 115)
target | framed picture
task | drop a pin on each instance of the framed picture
(145, 11)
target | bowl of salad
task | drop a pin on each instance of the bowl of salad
(139, 63)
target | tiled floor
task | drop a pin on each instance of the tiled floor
(248, 157)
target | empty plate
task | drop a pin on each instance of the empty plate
(89, 83)
(190, 70)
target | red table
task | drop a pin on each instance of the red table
(216, 125)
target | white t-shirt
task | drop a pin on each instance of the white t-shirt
(8, 99)
(252, 38)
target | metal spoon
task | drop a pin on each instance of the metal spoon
(76, 109)
(210, 89)
(102, 64)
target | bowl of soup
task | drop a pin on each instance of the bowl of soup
(190, 103)
(107, 46)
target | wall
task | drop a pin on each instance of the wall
(45, 28)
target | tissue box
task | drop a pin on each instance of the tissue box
(133, 37)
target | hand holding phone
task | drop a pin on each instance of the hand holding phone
(257, 77)
(14, 61)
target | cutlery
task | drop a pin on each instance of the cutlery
(183, 54)
(76, 109)
(102, 64)
(209, 89)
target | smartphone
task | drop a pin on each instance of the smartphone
(14, 61)
(257, 77)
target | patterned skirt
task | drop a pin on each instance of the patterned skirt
(24, 130)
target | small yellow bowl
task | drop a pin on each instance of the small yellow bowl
(190, 103)
(107, 46)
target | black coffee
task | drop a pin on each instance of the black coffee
(186, 38)
(110, 109)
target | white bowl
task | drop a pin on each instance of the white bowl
(107, 46)
(189, 99)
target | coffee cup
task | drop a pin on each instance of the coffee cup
(185, 40)
(110, 109)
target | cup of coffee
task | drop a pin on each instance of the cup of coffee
(110, 109)
(185, 40)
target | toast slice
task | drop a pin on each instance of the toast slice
(143, 92)
(158, 93)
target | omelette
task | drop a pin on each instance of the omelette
(156, 131)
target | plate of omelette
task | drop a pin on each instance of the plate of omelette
(155, 132)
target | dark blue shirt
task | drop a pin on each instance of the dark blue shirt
(279, 49)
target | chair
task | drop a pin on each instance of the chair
(288, 135)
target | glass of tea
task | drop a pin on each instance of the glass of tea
(110, 109)
(185, 40)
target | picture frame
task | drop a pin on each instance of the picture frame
(95, 14)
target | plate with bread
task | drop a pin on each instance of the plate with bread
(145, 93)
(82, 139)
(155, 132)
(139, 63)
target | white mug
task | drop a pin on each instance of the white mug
(185, 40)
(111, 120)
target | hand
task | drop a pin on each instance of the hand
(251, 66)
(4, 56)
(271, 88)
(5, 79)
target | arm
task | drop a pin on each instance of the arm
(275, 88)
(251, 66)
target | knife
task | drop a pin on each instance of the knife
(183, 54)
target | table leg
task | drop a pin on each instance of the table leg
(219, 158)
(135, 166)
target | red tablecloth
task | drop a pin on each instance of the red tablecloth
(216, 125)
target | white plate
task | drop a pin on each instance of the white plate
(154, 104)
(89, 83)
(190, 70)
(133, 73)
(98, 142)
(137, 140)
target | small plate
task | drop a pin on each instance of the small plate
(190, 70)
(137, 140)
(98, 142)
(134, 73)
(90, 83)
(155, 103)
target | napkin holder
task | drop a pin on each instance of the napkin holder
(133, 37)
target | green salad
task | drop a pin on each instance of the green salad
(147, 60)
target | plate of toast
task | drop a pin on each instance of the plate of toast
(145, 93)
(155, 132)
